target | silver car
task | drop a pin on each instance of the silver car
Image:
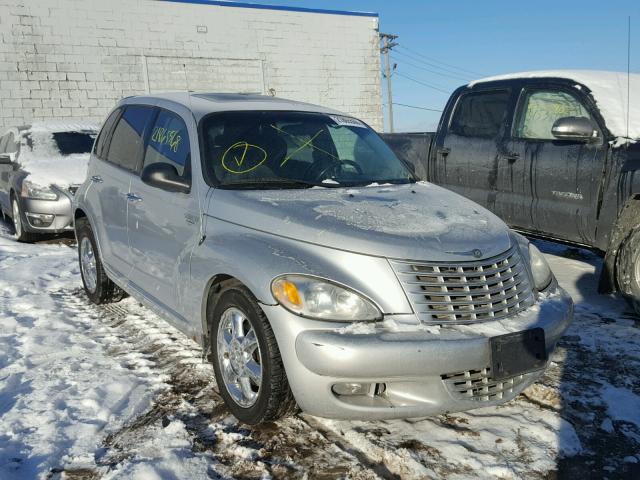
(312, 266)
(41, 167)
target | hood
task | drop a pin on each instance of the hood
(418, 221)
(57, 170)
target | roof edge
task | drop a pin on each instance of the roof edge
(257, 6)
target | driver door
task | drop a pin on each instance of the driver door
(562, 175)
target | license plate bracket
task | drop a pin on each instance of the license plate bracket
(516, 353)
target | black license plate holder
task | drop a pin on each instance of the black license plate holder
(516, 353)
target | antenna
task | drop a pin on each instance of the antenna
(628, 70)
(186, 77)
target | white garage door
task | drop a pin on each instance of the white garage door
(226, 75)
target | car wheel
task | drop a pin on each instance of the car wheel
(97, 285)
(18, 223)
(246, 359)
(628, 270)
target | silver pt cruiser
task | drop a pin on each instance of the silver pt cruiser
(313, 267)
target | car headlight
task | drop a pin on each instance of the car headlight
(37, 192)
(542, 275)
(322, 300)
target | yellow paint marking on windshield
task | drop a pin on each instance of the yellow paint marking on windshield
(299, 141)
(305, 144)
(245, 151)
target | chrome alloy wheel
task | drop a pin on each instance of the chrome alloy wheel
(17, 220)
(88, 264)
(239, 357)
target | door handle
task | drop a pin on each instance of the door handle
(96, 179)
(511, 156)
(132, 197)
(444, 151)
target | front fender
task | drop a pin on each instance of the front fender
(255, 258)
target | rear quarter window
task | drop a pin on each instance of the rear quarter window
(102, 143)
(125, 147)
(480, 114)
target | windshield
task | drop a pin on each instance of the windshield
(74, 142)
(276, 149)
(64, 143)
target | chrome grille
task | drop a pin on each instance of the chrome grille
(466, 292)
(478, 385)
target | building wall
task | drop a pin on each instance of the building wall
(77, 58)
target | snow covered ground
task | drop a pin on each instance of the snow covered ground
(114, 392)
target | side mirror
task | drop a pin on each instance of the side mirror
(7, 158)
(165, 177)
(577, 129)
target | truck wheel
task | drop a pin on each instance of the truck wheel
(628, 270)
(246, 359)
(98, 287)
(18, 223)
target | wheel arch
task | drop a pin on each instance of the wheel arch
(79, 213)
(212, 291)
(628, 221)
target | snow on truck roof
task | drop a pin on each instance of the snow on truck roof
(609, 90)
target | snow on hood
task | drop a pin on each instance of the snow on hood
(40, 157)
(415, 221)
(609, 90)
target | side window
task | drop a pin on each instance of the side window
(539, 110)
(169, 143)
(480, 114)
(12, 145)
(102, 143)
(3, 143)
(126, 141)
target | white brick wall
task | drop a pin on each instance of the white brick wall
(76, 58)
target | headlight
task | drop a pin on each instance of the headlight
(542, 275)
(323, 300)
(37, 192)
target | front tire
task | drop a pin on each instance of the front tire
(628, 270)
(97, 285)
(246, 359)
(18, 223)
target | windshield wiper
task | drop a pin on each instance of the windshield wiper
(269, 184)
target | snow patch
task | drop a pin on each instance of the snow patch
(622, 404)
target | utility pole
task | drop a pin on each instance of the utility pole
(388, 44)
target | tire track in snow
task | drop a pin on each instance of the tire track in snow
(145, 344)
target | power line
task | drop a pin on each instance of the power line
(416, 106)
(455, 77)
(461, 75)
(440, 62)
(433, 65)
(447, 92)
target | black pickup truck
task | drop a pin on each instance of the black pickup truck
(554, 154)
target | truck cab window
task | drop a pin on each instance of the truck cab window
(480, 114)
(539, 110)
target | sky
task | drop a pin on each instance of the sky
(446, 43)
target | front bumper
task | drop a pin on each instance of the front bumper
(424, 372)
(60, 209)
